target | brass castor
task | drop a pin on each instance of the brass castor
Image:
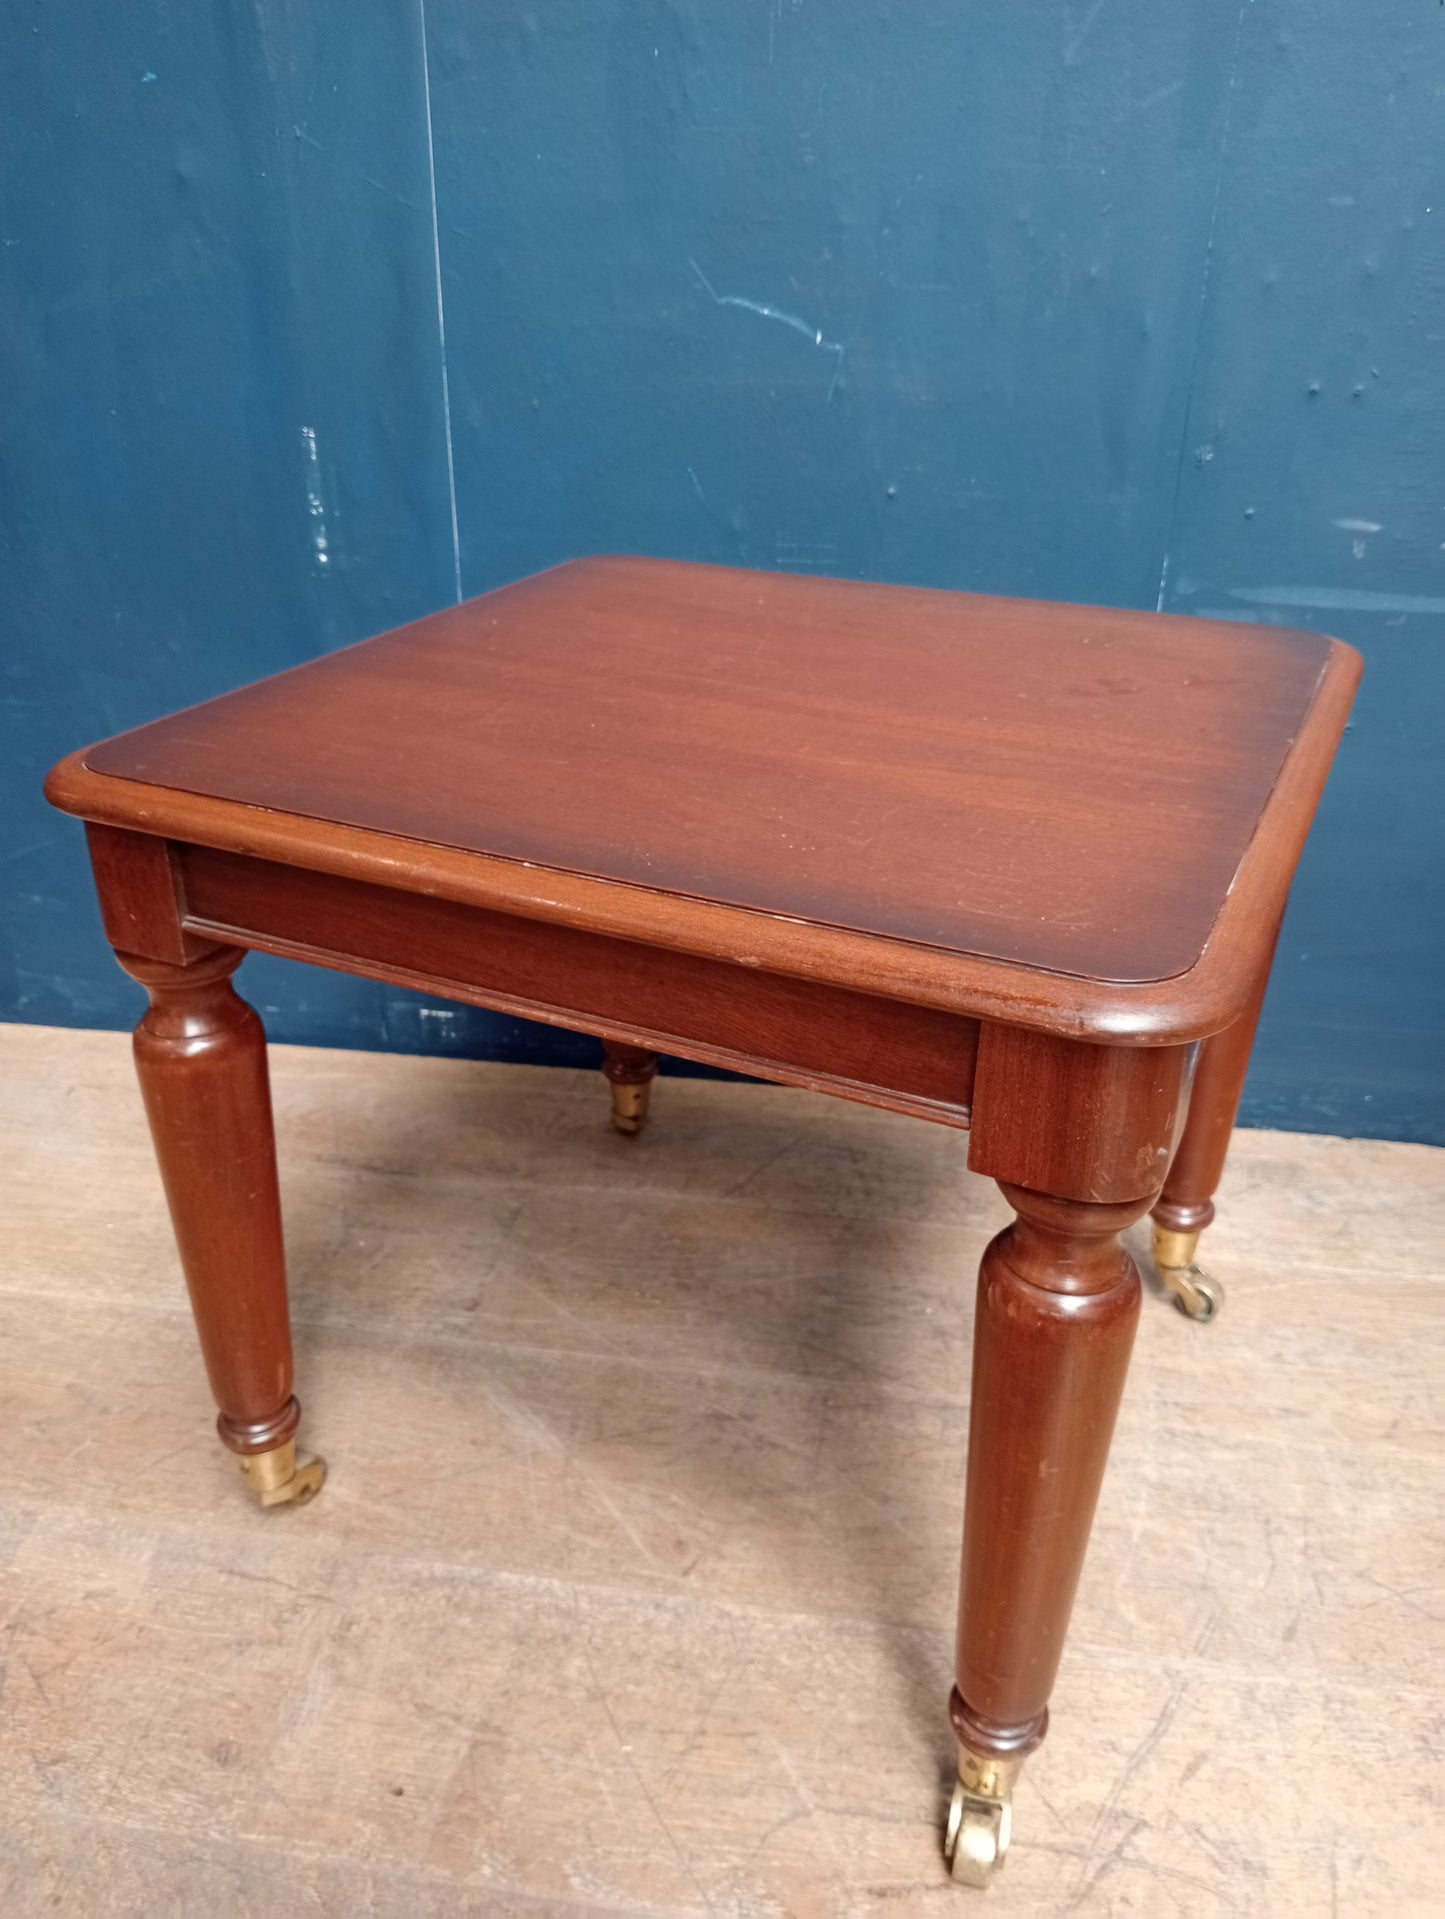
(980, 1818)
(629, 1106)
(1197, 1294)
(630, 1071)
(283, 1477)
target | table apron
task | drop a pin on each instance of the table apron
(831, 1039)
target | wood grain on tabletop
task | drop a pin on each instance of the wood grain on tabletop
(1070, 788)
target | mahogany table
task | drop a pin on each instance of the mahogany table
(994, 863)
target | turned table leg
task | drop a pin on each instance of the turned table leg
(1186, 1205)
(1058, 1300)
(630, 1071)
(200, 1052)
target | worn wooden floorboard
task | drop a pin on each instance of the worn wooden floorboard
(632, 1587)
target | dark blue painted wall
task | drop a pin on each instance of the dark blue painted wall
(315, 315)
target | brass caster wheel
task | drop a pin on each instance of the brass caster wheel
(629, 1107)
(1197, 1294)
(980, 1818)
(283, 1477)
(976, 1843)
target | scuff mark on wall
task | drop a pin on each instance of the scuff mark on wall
(436, 245)
(1339, 599)
(802, 556)
(1085, 28)
(766, 312)
(314, 503)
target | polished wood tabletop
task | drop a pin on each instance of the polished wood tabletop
(1070, 790)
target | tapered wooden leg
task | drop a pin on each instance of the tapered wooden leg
(200, 1052)
(630, 1071)
(1186, 1205)
(1058, 1301)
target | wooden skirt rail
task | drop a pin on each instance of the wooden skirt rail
(910, 1058)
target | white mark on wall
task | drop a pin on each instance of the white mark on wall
(775, 20)
(802, 556)
(315, 506)
(1358, 526)
(1085, 28)
(697, 486)
(1203, 285)
(391, 193)
(436, 250)
(1342, 599)
(1156, 98)
(766, 312)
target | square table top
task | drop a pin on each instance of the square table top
(1067, 789)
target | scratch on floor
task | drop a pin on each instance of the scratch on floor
(1087, 1879)
(625, 1747)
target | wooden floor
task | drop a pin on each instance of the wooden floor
(632, 1588)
